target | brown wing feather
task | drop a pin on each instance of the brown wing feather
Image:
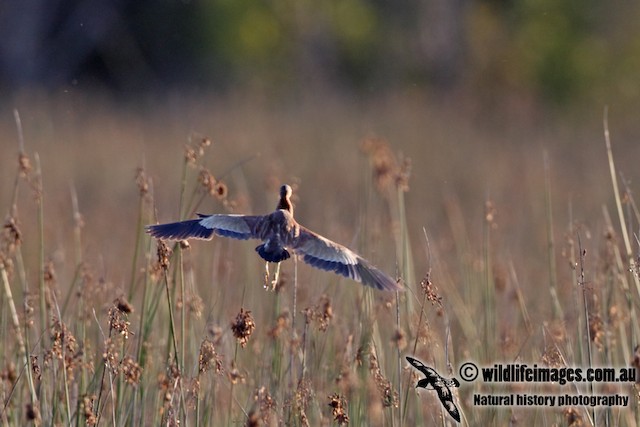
(234, 226)
(322, 253)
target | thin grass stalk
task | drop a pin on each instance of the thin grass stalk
(144, 326)
(399, 362)
(231, 388)
(405, 244)
(558, 313)
(631, 202)
(81, 329)
(294, 333)
(173, 340)
(623, 228)
(580, 327)
(21, 154)
(421, 315)
(583, 286)
(136, 250)
(489, 291)
(16, 325)
(22, 278)
(64, 362)
(44, 315)
(626, 291)
(235, 361)
(183, 341)
(99, 405)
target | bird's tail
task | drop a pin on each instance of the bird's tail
(273, 254)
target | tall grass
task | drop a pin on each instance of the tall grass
(189, 336)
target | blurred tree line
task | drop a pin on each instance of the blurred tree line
(555, 50)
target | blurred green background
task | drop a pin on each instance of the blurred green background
(558, 52)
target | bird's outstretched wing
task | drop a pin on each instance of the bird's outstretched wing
(324, 254)
(235, 226)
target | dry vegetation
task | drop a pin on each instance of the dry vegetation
(507, 255)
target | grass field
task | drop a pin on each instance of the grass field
(508, 234)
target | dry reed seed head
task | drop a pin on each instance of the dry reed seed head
(32, 413)
(347, 380)
(78, 220)
(195, 305)
(635, 362)
(221, 191)
(190, 155)
(208, 358)
(558, 330)
(9, 374)
(387, 394)
(118, 322)
(35, 368)
(338, 404)
(234, 374)
(597, 330)
(24, 165)
(11, 236)
(215, 332)
(207, 181)
(49, 274)
(164, 255)
(490, 213)
(266, 405)
(29, 310)
(500, 278)
(192, 386)
(399, 339)
(65, 348)
(243, 326)
(195, 149)
(142, 181)
(86, 405)
(430, 291)
(253, 419)
(63, 342)
(131, 370)
(403, 175)
(173, 370)
(204, 142)
(383, 162)
(301, 399)
(123, 305)
(282, 324)
(552, 357)
(573, 417)
(322, 313)
(110, 356)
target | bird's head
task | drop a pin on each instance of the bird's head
(285, 191)
(285, 199)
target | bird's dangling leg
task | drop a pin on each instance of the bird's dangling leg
(276, 276)
(266, 275)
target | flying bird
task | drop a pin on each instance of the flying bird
(440, 384)
(280, 235)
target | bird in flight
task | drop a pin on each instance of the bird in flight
(440, 384)
(280, 235)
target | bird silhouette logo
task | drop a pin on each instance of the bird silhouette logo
(280, 234)
(441, 385)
